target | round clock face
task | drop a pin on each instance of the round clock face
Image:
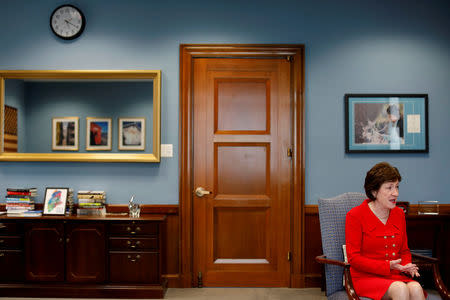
(67, 22)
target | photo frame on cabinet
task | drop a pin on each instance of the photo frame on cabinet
(98, 133)
(65, 132)
(131, 133)
(386, 123)
(55, 201)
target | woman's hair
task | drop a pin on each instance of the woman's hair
(379, 174)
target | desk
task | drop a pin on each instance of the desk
(431, 232)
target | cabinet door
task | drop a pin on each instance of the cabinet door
(134, 267)
(11, 262)
(44, 248)
(86, 252)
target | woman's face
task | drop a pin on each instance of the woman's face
(387, 194)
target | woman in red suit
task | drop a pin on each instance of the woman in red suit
(376, 241)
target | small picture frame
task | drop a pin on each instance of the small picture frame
(131, 133)
(386, 123)
(98, 133)
(55, 201)
(65, 133)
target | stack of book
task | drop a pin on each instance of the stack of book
(20, 201)
(91, 203)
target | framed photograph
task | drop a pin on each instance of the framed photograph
(98, 133)
(65, 133)
(55, 201)
(386, 123)
(131, 133)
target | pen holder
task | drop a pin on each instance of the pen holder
(428, 208)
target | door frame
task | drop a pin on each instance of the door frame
(295, 54)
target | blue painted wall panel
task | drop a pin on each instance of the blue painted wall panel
(351, 46)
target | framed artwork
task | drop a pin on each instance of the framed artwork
(131, 133)
(386, 123)
(55, 201)
(65, 133)
(98, 133)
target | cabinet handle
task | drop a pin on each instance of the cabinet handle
(138, 228)
(67, 240)
(136, 258)
(133, 232)
(2, 254)
(128, 228)
(138, 242)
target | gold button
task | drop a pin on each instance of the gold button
(387, 254)
(385, 246)
(393, 245)
(385, 237)
(393, 253)
(393, 236)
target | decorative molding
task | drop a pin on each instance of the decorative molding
(169, 209)
(444, 209)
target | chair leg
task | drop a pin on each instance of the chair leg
(439, 284)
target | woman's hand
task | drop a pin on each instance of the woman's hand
(409, 268)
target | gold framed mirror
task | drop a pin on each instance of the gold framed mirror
(73, 115)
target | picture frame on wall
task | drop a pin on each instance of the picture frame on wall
(65, 132)
(386, 123)
(132, 134)
(98, 133)
(55, 201)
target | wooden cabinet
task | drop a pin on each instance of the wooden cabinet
(11, 252)
(85, 252)
(81, 256)
(133, 252)
(44, 247)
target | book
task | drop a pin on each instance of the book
(23, 190)
(91, 192)
(26, 213)
(91, 196)
(21, 193)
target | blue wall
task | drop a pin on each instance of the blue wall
(352, 46)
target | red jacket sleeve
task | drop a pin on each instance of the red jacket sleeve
(353, 240)
(404, 254)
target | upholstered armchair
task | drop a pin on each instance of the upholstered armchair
(332, 213)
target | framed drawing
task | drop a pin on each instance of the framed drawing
(131, 133)
(65, 133)
(386, 123)
(55, 201)
(98, 133)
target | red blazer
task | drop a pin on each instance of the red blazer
(371, 245)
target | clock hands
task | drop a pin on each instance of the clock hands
(68, 22)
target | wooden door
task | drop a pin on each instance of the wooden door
(242, 138)
(44, 251)
(85, 252)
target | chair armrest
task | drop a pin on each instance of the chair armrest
(424, 258)
(348, 283)
(322, 259)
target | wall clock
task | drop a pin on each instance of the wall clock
(67, 22)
